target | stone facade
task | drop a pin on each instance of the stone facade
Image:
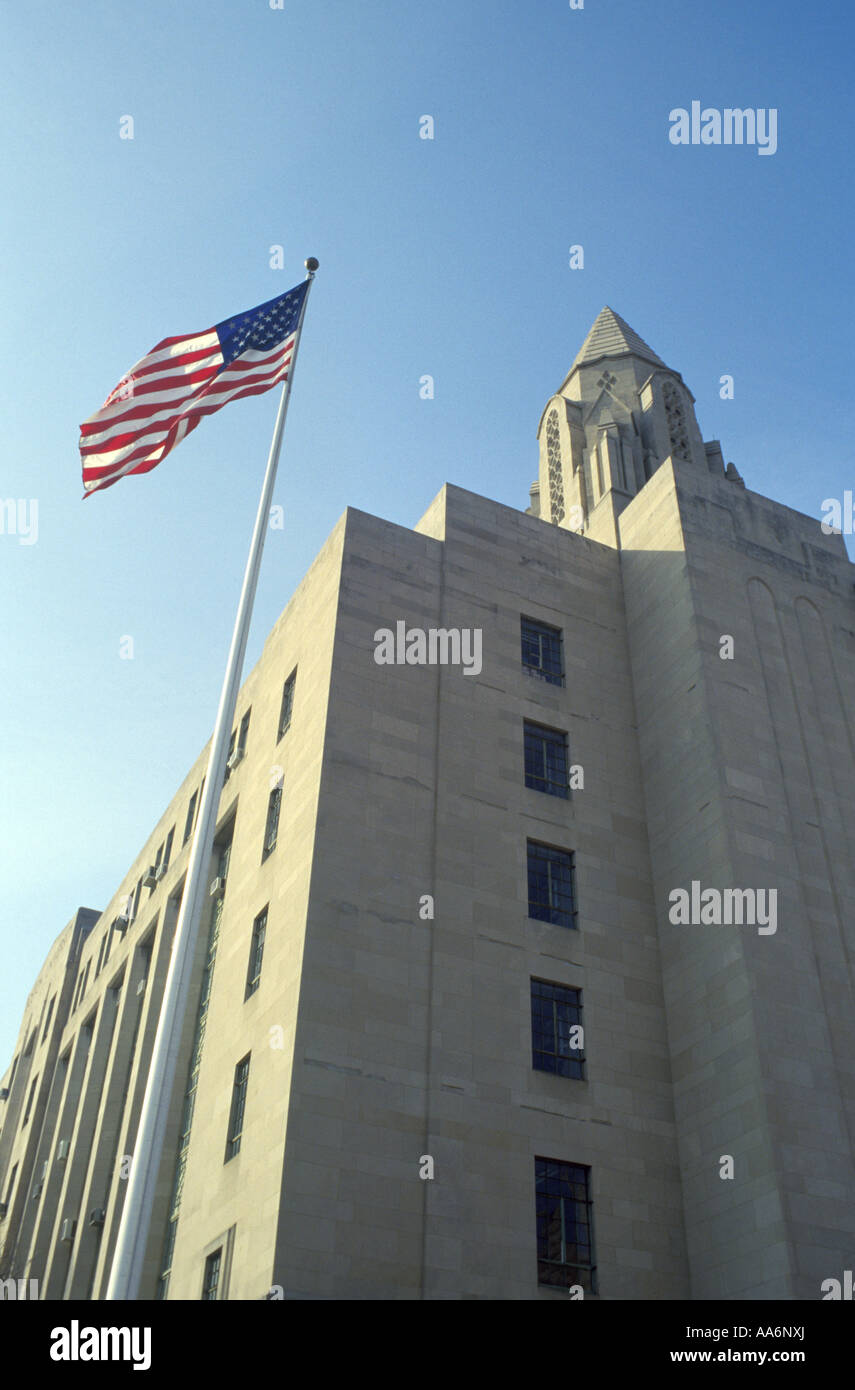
(389, 1030)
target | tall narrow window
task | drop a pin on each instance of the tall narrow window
(565, 1249)
(191, 814)
(551, 896)
(152, 883)
(271, 830)
(287, 704)
(237, 747)
(229, 755)
(211, 1281)
(545, 760)
(30, 1098)
(256, 953)
(557, 1037)
(50, 1012)
(168, 850)
(238, 1107)
(541, 651)
(137, 896)
(243, 735)
(556, 481)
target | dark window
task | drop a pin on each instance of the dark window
(50, 1014)
(256, 953)
(168, 850)
(565, 1252)
(191, 815)
(287, 704)
(30, 1098)
(546, 760)
(12, 1073)
(211, 1282)
(271, 830)
(238, 1107)
(541, 651)
(237, 746)
(155, 866)
(137, 896)
(556, 1011)
(551, 896)
(78, 990)
(232, 741)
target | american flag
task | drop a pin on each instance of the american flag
(165, 395)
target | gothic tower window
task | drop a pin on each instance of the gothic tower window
(676, 421)
(553, 454)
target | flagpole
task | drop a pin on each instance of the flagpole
(129, 1255)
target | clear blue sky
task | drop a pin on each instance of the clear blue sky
(255, 127)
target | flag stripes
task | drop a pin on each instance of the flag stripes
(164, 397)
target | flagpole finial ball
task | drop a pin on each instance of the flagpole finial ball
(311, 265)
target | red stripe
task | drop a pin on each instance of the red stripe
(195, 394)
(180, 338)
(180, 361)
(192, 417)
(258, 371)
(179, 385)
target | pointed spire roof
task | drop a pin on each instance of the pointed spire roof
(610, 336)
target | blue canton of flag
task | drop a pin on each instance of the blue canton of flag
(262, 328)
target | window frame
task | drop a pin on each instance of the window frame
(568, 1271)
(256, 953)
(549, 911)
(558, 738)
(243, 733)
(271, 825)
(209, 1290)
(542, 629)
(237, 1109)
(574, 1057)
(191, 817)
(287, 696)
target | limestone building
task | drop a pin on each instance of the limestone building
(449, 1037)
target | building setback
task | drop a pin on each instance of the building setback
(448, 1037)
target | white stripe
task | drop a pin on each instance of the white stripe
(177, 392)
(119, 473)
(148, 430)
(207, 340)
(110, 414)
(117, 455)
(184, 345)
(180, 366)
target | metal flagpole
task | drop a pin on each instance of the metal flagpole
(129, 1255)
